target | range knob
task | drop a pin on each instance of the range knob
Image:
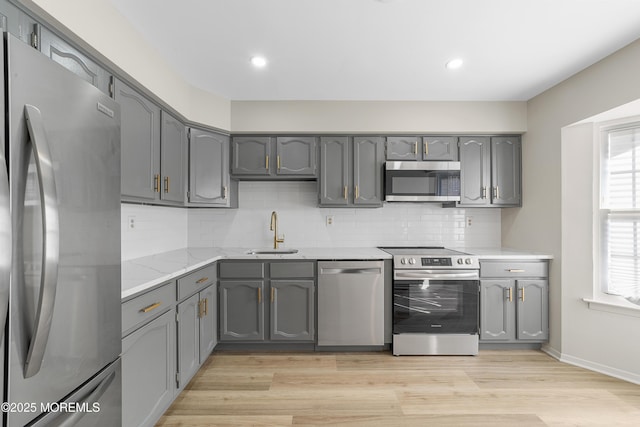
(467, 261)
(412, 261)
(403, 261)
(460, 261)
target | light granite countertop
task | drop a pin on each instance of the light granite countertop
(141, 274)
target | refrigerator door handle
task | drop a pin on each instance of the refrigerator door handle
(5, 244)
(51, 241)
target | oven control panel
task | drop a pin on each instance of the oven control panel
(455, 262)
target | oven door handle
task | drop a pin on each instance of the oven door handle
(433, 275)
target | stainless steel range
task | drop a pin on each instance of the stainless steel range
(435, 301)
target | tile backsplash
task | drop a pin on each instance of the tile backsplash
(305, 225)
(157, 229)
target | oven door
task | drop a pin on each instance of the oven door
(436, 304)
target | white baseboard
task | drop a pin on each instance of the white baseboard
(592, 366)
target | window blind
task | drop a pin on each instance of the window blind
(620, 212)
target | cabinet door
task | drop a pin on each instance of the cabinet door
(73, 60)
(403, 148)
(441, 148)
(533, 310)
(368, 162)
(148, 371)
(208, 322)
(241, 310)
(188, 340)
(474, 171)
(140, 144)
(505, 171)
(296, 156)
(334, 171)
(497, 310)
(173, 140)
(292, 310)
(251, 156)
(208, 168)
(18, 23)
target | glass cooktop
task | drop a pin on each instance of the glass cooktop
(420, 251)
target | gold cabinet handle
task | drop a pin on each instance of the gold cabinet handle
(166, 184)
(497, 192)
(273, 296)
(150, 307)
(522, 296)
(415, 148)
(484, 192)
(202, 280)
(345, 192)
(200, 310)
(426, 148)
(357, 193)
(278, 162)
(510, 294)
(259, 295)
(206, 306)
(266, 162)
(156, 183)
(225, 192)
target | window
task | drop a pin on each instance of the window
(620, 211)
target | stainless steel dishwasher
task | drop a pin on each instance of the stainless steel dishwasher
(350, 303)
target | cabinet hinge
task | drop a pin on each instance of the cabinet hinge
(34, 37)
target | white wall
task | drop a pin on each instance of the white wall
(98, 25)
(378, 116)
(155, 229)
(304, 224)
(557, 192)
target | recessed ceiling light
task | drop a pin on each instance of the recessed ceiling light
(454, 64)
(259, 61)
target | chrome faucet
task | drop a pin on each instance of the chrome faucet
(274, 227)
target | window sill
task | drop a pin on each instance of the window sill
(626, 309)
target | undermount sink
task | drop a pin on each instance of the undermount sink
(272, 251)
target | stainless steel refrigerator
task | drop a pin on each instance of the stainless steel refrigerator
(59, 245)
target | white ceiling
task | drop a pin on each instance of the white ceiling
(382, 49)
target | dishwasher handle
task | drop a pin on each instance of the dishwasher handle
(375, 270)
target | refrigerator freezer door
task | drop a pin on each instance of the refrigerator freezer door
(81, 127)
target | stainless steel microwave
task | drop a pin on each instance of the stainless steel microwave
(422, 181)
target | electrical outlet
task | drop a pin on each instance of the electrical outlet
(469, 221)
(329, 220)
(131, 222)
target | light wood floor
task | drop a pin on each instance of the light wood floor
(495, 388)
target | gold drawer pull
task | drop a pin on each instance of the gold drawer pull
(259, 295)
(515, 270)
(266, 162)
(204, 279)
(278, 162)
(344, 192)
(150, 307)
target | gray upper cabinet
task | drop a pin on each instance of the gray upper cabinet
(490, 171)
(267, 157)
(72, 59)
(140, 144)
(296, 156)
(173, 155)
(403, 148)
(505, 170)
(351, 171)
(440, 148)
(209, 180)
(18, 23)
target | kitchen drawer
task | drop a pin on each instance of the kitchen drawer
(514, 269)
(145, 307)
(193, 282)
(242, 270)
(287, 270)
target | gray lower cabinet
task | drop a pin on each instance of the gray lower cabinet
(490, 171)
(209, 181)
(265, 157)
(351, 171)
(188, 330)
(256, 297)
(148, 371)
(514, 305)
